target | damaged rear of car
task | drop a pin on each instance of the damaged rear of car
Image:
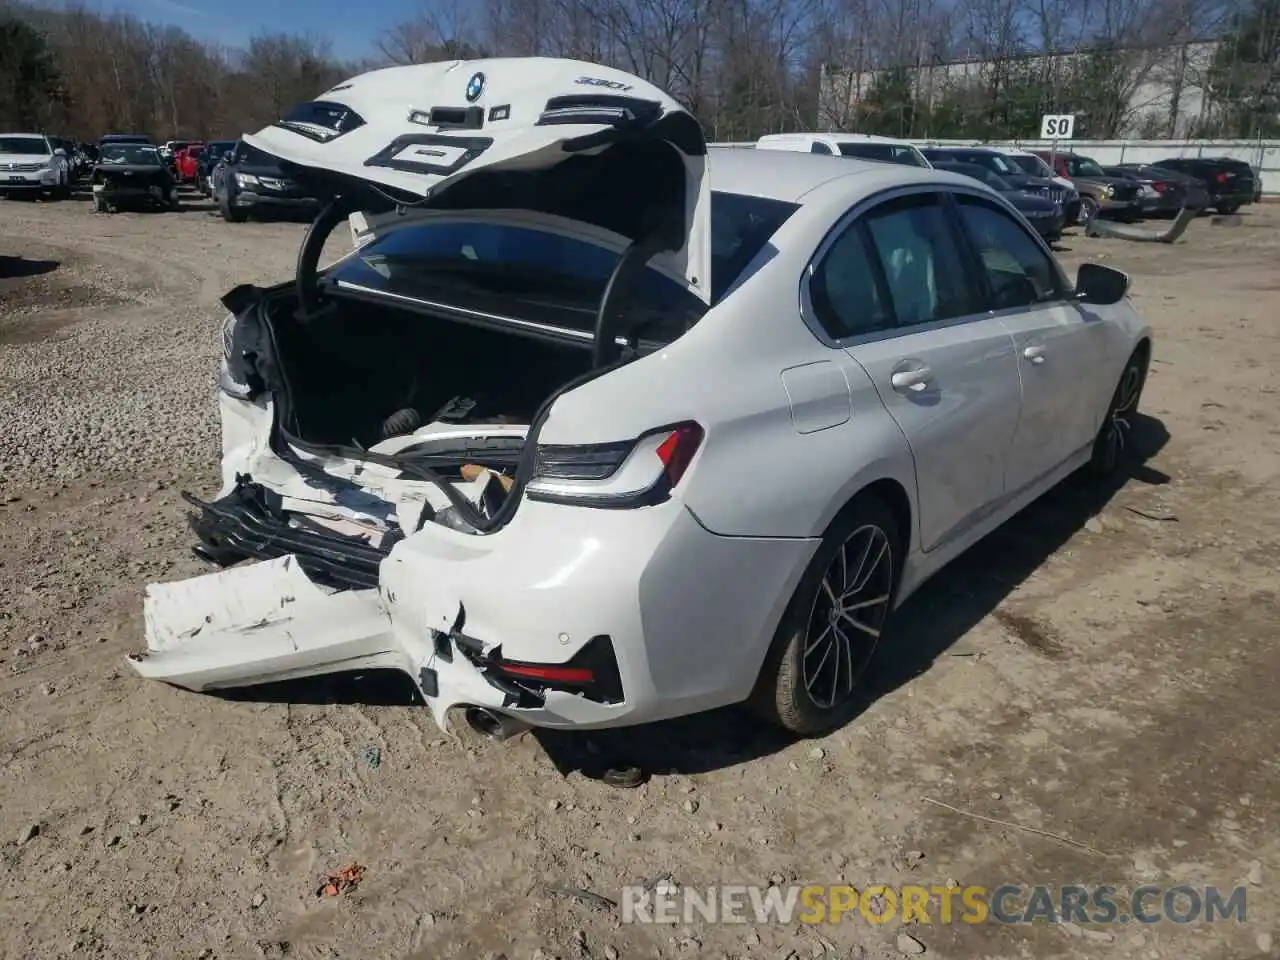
(394, 456)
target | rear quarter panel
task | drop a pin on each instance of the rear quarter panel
(756, 473)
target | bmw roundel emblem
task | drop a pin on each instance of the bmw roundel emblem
(475, 87)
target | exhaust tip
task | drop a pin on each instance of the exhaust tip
(492, 725)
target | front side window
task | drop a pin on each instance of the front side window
(1019, 273)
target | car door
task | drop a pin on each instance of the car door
(892, 288)
(1060, 346)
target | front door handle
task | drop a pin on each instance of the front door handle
(912, 380)
(1034, 353)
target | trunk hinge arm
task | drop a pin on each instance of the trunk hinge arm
(334, 212)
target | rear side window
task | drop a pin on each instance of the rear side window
(919, 253)
(1019, 273)
(897, 265)
(740, 228)
(820, 147)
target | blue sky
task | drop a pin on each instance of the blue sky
(235, 21)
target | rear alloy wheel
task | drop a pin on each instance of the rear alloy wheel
(1114, 437)
(831, 628)
(1089, 208)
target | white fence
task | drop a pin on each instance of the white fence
(1262, 155)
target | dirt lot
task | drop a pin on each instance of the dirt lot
(1105, 669)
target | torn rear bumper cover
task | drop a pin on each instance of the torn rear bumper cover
(566, 618)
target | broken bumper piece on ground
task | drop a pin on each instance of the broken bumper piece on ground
(268, 622)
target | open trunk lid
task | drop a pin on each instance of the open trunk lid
(518, 133)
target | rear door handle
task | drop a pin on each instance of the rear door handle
(1034, 353)
(912, 380)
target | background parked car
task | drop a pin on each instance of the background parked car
(1100, 195)
(861, 146)
(1231, 183)
(33, 164)
(1034, 166)
(138, 138)
(1041, 212)
(1011, 173)
(168, 151)
(251, 183)
(1169, 191)
(210, 157)
(185, 162)
(132, 174)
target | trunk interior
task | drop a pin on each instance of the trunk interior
(366, 372)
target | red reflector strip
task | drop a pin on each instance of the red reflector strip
(549, 674)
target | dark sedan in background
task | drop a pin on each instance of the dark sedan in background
(213, 153)
(1041, 212)
(1010, 173)
(1166, 191)
(252, 183)
(1231, 183)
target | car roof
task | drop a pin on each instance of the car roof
(954, 149)
(782, 175)
(833, 137)
(33, 136)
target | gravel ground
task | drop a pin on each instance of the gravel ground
(1104, 670)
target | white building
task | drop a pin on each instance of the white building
(1166, 89)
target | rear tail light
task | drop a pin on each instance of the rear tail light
(1160, 187)
(1221, 178)
(592, 673)
(633, 473)
(548, 674)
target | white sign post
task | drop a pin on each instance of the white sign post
(1055, 127)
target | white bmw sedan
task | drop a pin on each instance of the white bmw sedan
(596, 426)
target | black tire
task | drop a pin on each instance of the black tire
(230, 213)
(1089, 208)
(1228, 208)
(401, 423)
(799, 689)
(1113, 437)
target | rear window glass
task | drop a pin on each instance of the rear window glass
(514, 271)
(883, 152)
(321, 120)
(536, 271)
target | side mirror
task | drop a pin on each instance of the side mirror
(59, 152)
(1101, 285)
(227, 156)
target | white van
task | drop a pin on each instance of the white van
(864, 146)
